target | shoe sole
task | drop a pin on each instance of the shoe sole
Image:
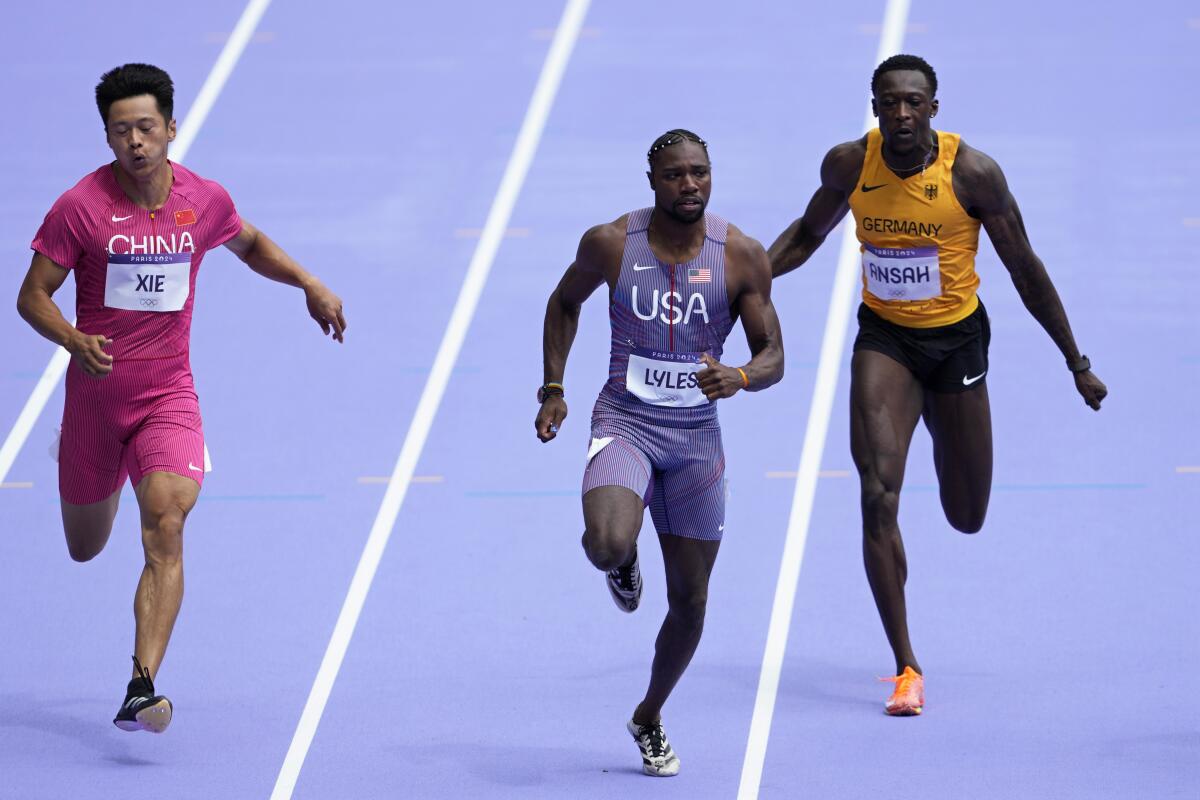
(673, 767)
(154, 719)
(904, 712)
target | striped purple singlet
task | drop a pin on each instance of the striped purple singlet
(660, 438)
(672, 308)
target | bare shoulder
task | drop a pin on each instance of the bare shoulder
(973, 160)
(605, 237)
(978, 178)
(843, 164)
(745, 258)
(746, 249)
(601, 246)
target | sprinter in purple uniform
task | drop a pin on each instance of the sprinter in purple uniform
(678, 279)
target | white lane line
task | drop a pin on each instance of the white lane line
(32, 410)
(475, 233)
(841, 302)
(384, 479)
(217, 77)
(188, 131)
(456, 331)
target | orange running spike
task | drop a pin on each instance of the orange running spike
(908, 698)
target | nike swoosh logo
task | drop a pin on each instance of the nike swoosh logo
(721, 528)
(197, 469)
(115, 218)
(637, 268)
(968, 381)
(866, 188)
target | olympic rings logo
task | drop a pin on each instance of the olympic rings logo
(148, 302)
(897, 293)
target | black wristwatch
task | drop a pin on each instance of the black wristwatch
(1082, 365)
(548, 390)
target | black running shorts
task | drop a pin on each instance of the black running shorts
(948, 359)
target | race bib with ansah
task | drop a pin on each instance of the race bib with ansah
(902, 273)
(665, 379)
(148, 281)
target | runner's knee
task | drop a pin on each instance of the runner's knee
(605, 549)
(969, 521)
(688, 607)
(87, 531)
(880, 506)
(84, 545)
(162, 534)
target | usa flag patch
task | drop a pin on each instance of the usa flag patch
(699, 275)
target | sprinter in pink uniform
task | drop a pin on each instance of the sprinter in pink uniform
(134, 232)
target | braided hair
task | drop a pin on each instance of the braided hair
(674, 136)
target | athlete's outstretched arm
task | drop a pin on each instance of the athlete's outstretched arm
(989, 199)
(269, 260)
(839, 173)
(582, 278)
(35, 303)
(749, 274)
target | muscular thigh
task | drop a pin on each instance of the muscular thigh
(88, 525)
(957, 411)
(960, 425)
(885, 403)
(617, 484)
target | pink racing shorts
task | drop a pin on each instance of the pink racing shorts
(142, 417)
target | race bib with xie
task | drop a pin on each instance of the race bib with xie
(148, 281)
(665, 379)
(902, 273)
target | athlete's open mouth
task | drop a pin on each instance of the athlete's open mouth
(689, 203)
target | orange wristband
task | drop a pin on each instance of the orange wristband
(745, 380)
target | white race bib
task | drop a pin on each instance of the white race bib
(902, 273)
(665, 379)
(148, 282)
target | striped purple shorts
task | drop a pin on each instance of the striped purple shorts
(678, 472)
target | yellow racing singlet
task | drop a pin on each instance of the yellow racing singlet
(918, 242)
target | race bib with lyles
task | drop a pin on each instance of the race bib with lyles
(665, 379)
(148, 281)
(902, 273)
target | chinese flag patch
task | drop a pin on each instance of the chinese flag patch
(187, 217)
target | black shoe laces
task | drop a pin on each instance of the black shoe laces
(625, 576)
(144, 674)
(656, 739)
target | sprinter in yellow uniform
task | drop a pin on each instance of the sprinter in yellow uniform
(918, 197)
